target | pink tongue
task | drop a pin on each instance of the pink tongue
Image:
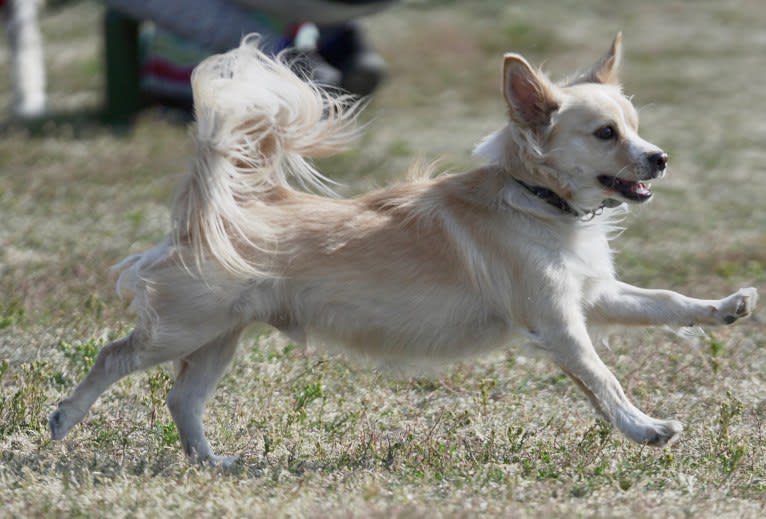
(639, 188)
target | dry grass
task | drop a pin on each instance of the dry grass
(505, 436)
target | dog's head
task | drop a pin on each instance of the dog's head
(580, 138)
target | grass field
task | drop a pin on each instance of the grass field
(506, 436)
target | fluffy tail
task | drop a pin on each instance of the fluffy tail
(257, 123)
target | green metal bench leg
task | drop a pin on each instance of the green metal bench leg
(123, 92)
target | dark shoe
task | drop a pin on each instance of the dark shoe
(344, 48)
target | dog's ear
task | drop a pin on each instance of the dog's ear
(530, 96)
(607, 69)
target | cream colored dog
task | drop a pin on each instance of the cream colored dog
(414, 274)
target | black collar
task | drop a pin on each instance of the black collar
(549, 197)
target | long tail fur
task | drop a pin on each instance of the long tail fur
(257, 124)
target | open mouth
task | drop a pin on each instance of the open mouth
(628, 189)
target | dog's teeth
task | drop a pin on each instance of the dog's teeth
(640, 188)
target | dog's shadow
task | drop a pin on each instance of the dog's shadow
(112, 463)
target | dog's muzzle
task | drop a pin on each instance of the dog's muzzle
(655, 166)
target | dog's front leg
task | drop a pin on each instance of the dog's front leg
(622, 303)
(572, 350)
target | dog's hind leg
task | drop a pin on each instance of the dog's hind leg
(196, 378)
(138, 351)
(574, 353)
(114, 361)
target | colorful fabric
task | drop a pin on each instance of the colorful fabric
(168, 59)
(167, 63)
(217, 25)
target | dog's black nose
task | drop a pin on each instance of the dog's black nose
(658, 160)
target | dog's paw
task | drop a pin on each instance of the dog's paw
(220, 462)
(58, 424)
(663, 433)
(737, 305)
(62, 420)
(650, 431)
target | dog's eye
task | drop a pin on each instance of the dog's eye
(605, 133)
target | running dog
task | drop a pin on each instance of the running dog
(428, 270)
